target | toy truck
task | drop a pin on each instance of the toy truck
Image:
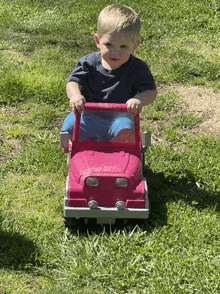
(105, 178)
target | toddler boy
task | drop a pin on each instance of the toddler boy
(112, 75)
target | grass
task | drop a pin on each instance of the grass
(177, 249)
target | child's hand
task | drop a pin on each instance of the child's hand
(77, 103)
(134, 106)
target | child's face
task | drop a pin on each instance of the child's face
(115, 49)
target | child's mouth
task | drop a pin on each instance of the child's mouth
(114, 59)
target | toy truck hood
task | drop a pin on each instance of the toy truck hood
(92, 162)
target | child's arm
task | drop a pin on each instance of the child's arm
(77, 101)
(135, 104)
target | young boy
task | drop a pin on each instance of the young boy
(112, 75)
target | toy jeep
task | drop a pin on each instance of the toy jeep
(105, 179)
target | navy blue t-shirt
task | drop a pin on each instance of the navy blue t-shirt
(111, 86)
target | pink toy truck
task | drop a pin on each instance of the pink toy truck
(105, 178)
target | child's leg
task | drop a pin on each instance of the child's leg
(122, 128)
(67, 131)
(92, 126)
(125, 136)
(68, 123)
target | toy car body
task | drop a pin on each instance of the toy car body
(105, 179)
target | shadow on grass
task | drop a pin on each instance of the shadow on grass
(16, 251)
(162, 190)
(170, 189)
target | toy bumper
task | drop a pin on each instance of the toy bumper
(106, 212)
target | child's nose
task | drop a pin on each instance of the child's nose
(115, 51)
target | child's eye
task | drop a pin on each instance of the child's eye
(123, 46)
(108, 44)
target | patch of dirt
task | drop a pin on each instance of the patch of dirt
(199, 101)
(11, 147)
(16, 53)
(8, 146)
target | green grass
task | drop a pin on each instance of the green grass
(177, 249)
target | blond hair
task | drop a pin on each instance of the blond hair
(118, 18)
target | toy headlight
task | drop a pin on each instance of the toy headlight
(121, 182)
(92, 181)
(93, 204)
(120, 205)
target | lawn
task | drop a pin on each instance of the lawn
(177, 250)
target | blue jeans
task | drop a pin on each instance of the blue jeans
(98, 124)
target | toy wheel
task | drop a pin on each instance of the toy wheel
(143, 161)
(68, 222)
(72, 223)
(121, 222)
(68, 162)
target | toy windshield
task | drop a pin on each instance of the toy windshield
(104, 125)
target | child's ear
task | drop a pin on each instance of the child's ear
(96, 38)
(136, 45)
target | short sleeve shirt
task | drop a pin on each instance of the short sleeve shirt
(111, 86)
